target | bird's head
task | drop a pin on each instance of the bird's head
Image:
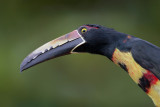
(87, 38)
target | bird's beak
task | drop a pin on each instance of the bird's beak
(61, 46)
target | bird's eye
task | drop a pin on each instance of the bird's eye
(84, 30)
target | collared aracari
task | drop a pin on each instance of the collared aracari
(139, 58)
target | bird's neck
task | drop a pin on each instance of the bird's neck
(119, 51)
(144, 78)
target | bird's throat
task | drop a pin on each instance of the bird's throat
(144, 78)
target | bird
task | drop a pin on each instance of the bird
(139, 58)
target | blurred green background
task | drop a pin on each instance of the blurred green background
(78, 80)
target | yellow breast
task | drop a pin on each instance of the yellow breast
(136, 72)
